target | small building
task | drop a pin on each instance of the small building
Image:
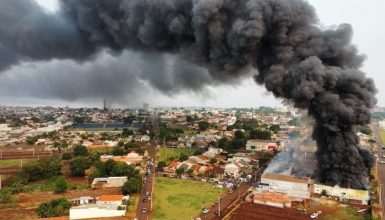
(272, 199)
(83, 200)
(351, 195)
(260, 145)
(130, 158)
(108, 182)
(110, 199)
(232, 170)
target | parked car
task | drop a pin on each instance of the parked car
(315, 215)
(205, 211)
(144, 200)
(144, 210)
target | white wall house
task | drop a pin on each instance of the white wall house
(260, 145)
(117, 181)
(343, 193)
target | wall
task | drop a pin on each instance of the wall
(76, 213)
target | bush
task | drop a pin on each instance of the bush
(161, 165)
(42, 169)
(67, 156)
(60, 185)
(5, 195)
(78, 166)
(80, 150)
(118, 151)
(183, 157)
(133, 185)
(53, 208)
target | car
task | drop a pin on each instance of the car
(144, 200)
(203, 180)
(205, 211)
(315, 214)
(149, 197)
(144, 210)
(381, 161)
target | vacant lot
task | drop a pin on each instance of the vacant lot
(382, 134)
(168, 154)
(13, 162)
(177, 199)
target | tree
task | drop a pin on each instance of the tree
(2, 120)
(5, 195)
(67, 156)
(42, 169)
(31, 140)
(295, 122)
(274, 128)
(118, 151)
(250, 124)
(365, 130)
(179, 171)
(203, 125)
(161, 165)
(189, 118)
(213, 160)
(122, 169)
(183, 157)
(53, 208)
(223, 143)
(80, 150)
(78, 166)
(60, 185)
(127, 132)
(133, 185)
(260, 134)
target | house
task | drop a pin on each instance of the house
(110, 199)
(83, 200)
(272, 199)
(212, 152)
(108, 182)
(260, 145)
(352, 195)
(130, 158)
(232, 170)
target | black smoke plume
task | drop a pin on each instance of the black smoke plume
(316, 69)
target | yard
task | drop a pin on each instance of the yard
(382, 134)
(13, 163)
(168, 154)
(177, 199)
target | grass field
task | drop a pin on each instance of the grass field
(166, 153)
(13, 162)
(177, 199)
(382, 134)
(49, 185)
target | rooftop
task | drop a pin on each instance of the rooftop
(288, 178)
(106, 198)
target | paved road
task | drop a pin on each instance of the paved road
(229, 201)
(148, 187)
(380, 166)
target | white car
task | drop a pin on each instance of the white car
(315, 215)
(205, 211)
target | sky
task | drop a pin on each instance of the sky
(369, 37)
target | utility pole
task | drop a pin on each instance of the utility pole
(219, 206)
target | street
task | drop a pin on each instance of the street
(148, 187)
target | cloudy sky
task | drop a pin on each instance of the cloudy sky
(369, 37)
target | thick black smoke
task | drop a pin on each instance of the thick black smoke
(316, 69)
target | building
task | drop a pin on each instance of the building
(97, 211)
(111, 199)
(146, 107)
(108, 182)
(354, 196)
(271, 199)
(130, 158)
(260, 145)
(295, 187)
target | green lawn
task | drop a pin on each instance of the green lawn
(49, 185)
(13, 162)
(382, 134)
(166, 153)
(177, 199)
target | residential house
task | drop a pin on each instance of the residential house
(260, 145)
(108, 182)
